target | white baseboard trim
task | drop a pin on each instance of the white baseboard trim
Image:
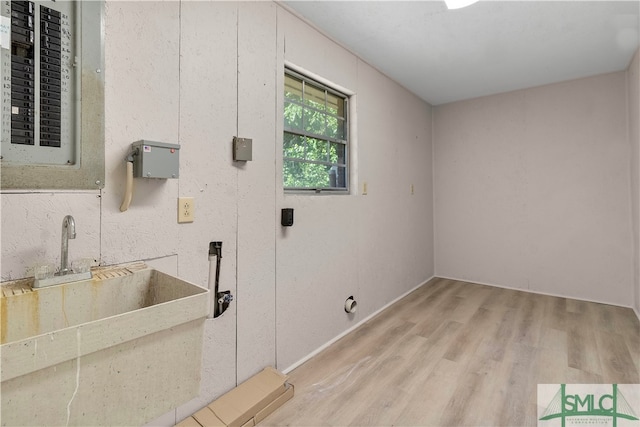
(531, 291)
(354, 327)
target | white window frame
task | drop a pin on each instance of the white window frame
(319, 83)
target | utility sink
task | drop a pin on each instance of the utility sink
(121, 348)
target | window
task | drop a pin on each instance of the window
(315, 144)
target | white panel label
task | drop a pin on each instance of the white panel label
(5, 31)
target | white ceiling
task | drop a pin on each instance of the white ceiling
(489, 47)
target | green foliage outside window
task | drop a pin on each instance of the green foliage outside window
(314, 146)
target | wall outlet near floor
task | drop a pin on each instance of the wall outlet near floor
(186, 209)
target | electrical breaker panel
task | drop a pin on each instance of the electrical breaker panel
(40, 82)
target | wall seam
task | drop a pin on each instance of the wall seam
(356, 192)
(634, 249)
(179, 112)
(433, 188)
(237, 181)
(177, 251)
(633, 175)
(632, 226)
(100, 207)
(275, 199)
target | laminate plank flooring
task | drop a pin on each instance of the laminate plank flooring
(460, 354)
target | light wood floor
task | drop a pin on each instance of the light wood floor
(460, 354)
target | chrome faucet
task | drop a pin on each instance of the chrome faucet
(66, 274)
(68, 232)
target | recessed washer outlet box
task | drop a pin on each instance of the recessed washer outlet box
(156, 159)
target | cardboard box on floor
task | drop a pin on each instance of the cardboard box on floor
(246, 405)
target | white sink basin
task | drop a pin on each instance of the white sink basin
(119, 349)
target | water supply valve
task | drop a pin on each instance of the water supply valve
(224, 298)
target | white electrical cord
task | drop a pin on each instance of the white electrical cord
(128, 193)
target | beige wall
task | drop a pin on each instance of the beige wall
(633, 84)
(375, 246)
(532, 190)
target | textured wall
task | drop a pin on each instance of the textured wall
(375, 246)
(208, 121)
(198, 73)
(532, 190)
(633, 84)
(256, 188)
(32, 228)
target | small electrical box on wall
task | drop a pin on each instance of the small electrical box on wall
(242, 149)
(287, 217)
(156, 159)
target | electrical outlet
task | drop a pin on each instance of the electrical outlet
(364, 188)
(186, 209)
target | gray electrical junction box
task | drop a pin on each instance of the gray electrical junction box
(156, 159)
(242, 149)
